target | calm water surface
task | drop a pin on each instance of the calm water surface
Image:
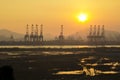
(63, 46)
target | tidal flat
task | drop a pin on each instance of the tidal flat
(62, 65)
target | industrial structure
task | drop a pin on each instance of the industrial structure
(34, 36)
(26, 37)
(96, 35)
(41, 34)
(61, 36)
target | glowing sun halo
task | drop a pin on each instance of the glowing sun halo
(82, 17)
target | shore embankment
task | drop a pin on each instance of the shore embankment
(84, 49)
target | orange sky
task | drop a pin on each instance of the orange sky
(15, 14)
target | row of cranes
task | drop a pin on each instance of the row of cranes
(96, 34)
(35, 36)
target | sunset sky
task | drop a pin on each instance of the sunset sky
(16, 14)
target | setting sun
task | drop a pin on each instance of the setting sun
(82, 17)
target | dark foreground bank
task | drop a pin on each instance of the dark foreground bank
(55, 65)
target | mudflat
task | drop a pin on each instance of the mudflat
(63, 65)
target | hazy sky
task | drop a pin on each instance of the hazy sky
(15, 14)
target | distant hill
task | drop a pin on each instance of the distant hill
(112, 35)
(6, 34)
(82, 35)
